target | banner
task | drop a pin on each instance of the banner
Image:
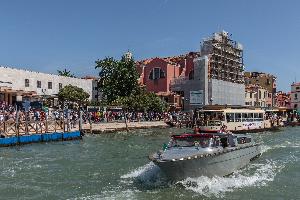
(196, 97)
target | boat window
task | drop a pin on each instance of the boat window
(203, 118)
(230, 117)
(189, 142)
(245, 117)
(243, 140)
(250, 117)
(214, 123)
(261, 116)
(238, 117)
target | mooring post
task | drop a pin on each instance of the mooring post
(125, 121)
(17, 124)
(80, 120)
(90, 122)
(68, 121)
(26, 122)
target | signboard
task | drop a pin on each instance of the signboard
(196, 97)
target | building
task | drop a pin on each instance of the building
(264, 80)
(295, 96)
(156, 74)
(15, 84)
(257, 96)
(217, 75)
(283, 99)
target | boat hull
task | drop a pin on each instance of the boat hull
(220, 164)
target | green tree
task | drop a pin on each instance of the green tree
(73, 94)
(141, 100)
(117, 78)
(66, 73)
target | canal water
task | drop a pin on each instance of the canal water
(115, 166)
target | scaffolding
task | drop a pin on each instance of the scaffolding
(225, 58)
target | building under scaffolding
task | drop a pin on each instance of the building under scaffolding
(225, 58)
(218, 74)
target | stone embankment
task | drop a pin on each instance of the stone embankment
(121, 126)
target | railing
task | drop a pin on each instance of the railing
(13, 128)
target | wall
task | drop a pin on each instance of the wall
(17, 78)
(295, 96)
(162, 84)
(224, 92)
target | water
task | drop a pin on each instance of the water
(115, 166)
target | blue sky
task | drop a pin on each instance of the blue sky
(57, 34)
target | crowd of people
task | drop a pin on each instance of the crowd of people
(13, 113)
(120, 115)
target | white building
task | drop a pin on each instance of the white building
(17, 83)
(295, 96)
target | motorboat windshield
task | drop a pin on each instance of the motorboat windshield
(189, 140)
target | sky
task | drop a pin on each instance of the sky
(47, 35)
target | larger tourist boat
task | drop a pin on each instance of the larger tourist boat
(213, 119)
(195, 155)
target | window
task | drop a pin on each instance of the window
(49, 85)
(156, 73)
(230, 117)
(191, 75)
(297, 88)
(250, 117)
(238, 117)
(245, 117)
(296, 96)
(26, 82)
(259, 94)
(39, 84)
(60, 86)
(251, 95)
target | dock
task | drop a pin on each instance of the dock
(25, 132)
(111, 127)
(35, 138)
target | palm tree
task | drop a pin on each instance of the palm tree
(66, 73)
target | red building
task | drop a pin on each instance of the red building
(283, 99)
(157, 74)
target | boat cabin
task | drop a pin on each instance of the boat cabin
(208, 140)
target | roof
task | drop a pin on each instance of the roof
(174, 60)
(296, 84)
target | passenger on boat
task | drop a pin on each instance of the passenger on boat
(223, 129)
(231, 141)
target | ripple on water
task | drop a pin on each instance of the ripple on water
(253, 175)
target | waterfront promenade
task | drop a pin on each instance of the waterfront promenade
(121, 126)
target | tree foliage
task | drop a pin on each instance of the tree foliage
(73, 94)
(142, 100)
(117, 78)
(65, 73)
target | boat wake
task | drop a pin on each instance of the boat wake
(147, 176)
(253, 175)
